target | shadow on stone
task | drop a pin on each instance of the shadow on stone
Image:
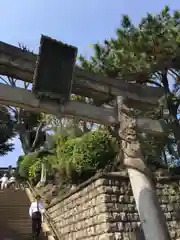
(137, 235)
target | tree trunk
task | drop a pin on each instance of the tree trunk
(43, 173)
(174, 124)
(151, 215)
(25, 138)
(25, 143)
(173, 109)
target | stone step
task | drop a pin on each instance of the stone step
(17, 236)
(15, 222)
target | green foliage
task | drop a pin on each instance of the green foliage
(34, 170)
(69, 130)
(64, 154)
(18, 163)
(93, 151)
(6, 131)
(147, 54)
(86, 154)
(26, 163)
(142, 50)
(75, 159)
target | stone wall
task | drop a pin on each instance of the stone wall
(104, 208)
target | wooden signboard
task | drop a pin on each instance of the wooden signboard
(53, 76)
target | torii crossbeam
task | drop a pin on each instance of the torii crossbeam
(20, 64)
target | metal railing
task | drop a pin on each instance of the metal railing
(46, 215)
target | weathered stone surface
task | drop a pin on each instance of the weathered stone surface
(104, 209)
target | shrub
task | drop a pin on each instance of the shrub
(26, 163)
(65, 167)
(75, 160)
(85, 155)
(18, 164)
(93, 151)
(34, 171)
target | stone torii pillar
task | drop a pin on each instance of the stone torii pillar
(151, 216)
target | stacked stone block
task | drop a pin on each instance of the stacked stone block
(103, 208)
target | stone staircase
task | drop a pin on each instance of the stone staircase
(15, 223)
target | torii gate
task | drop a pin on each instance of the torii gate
(20, 64)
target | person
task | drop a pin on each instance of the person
(36, 211)
(12, 182)
(4, 181)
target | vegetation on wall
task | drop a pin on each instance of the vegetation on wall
(80, 158)
(26, 163)
(75, 159)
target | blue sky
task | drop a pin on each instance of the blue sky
(79, 23)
